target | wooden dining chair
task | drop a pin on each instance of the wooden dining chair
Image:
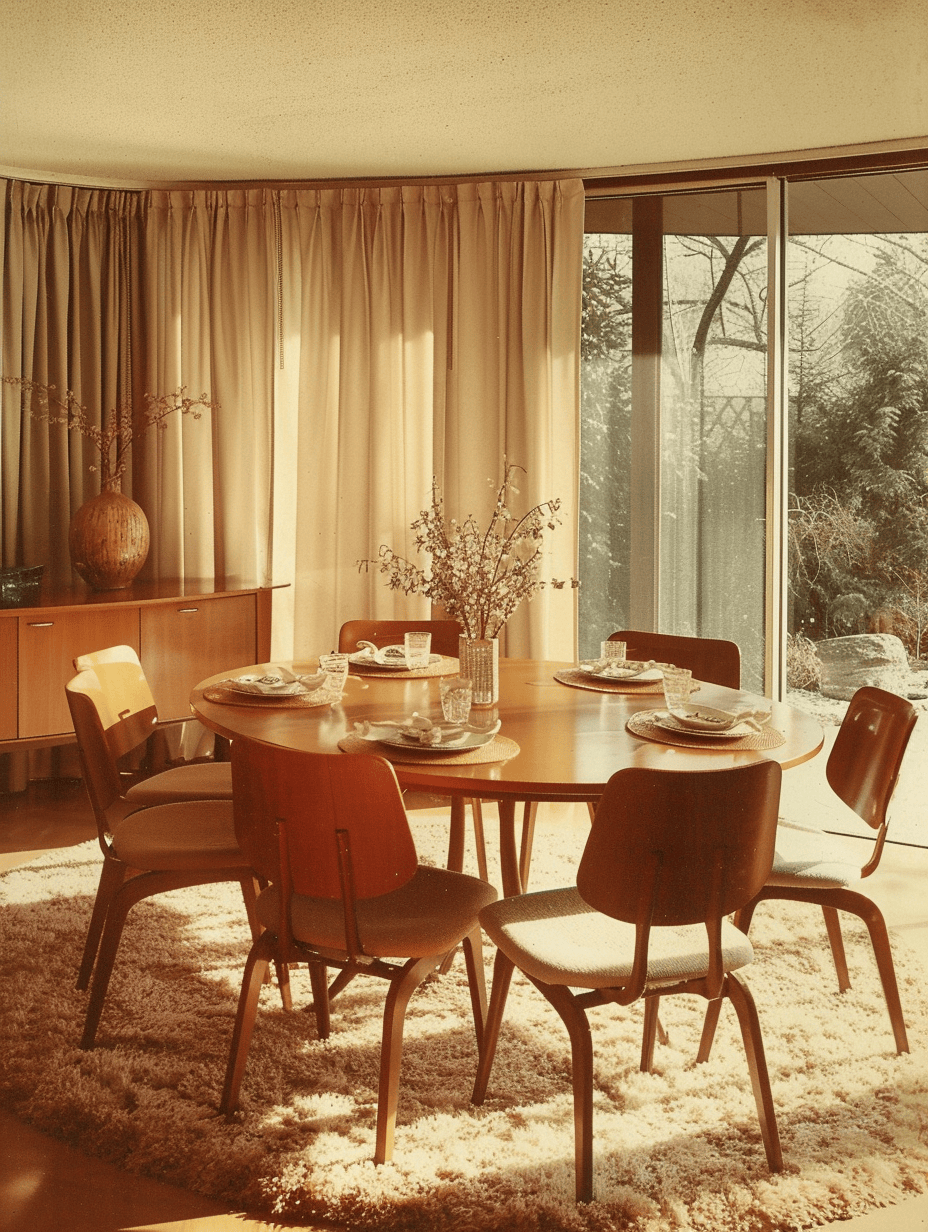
(445, 635)
(669, 856)
(121, 676)
(152, 841)
(812, 866)
(346, 891)
(709, 658)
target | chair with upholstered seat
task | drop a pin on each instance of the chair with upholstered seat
(812, 866)
(709, 658)
(669, 856)
(330, 834)
(156, 836)
(445, 635)
(121, 676)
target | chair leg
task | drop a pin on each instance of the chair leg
(112, 876)
(503, 967)
(259, 957)
(713, 1009)
(473, 960)
(833, 928)
(341, 982)
(319, 980)
(581, 1054)
(282, 971)
(746, 1010)
(131, 892)
(143, 885)
(649, 1033)
(867, 910)
(391, 1051)
(250, 889)
(741, 920)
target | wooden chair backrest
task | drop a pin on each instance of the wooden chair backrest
(315, 795)
(709, 658)
(865, 759)
(444, 633)
(113, 712)
(690, 842)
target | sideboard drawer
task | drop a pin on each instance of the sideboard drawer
(48, 644)
(181, 628)
(185, 641)
(9, 678)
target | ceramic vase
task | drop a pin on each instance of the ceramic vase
(479, 660)
(109, 541)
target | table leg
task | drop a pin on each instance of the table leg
(508, 851)
(456, 835)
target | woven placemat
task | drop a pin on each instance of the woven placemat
(500, 748)
(580, 680)
(642, 724)
(447, 667)
(302, 701)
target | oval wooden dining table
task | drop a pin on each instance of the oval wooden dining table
(570, 740)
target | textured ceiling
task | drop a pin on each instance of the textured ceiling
(170, 90)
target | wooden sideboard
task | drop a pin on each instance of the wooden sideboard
(182, 630)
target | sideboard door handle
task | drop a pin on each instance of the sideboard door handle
(181, 611)
(40, 624)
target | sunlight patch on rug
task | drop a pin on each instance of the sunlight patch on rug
(677, 1149)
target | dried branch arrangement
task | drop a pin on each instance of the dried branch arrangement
(479, 577)
(120, 426)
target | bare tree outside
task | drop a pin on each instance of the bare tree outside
(858, 479)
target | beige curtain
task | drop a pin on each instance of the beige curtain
(66, 276)
(113, 295)
(206, 308)
(427, 331)
(359, 341)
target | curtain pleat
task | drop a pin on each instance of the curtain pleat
(359, 341)
(67, 269)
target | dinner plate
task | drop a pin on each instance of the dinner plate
(252, 687)
(711, 719)
(632, 672)
(394, 663)
(670, 723)
(392, 735)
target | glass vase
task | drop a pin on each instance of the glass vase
(479, 660)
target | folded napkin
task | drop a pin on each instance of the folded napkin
(710, 718)
(277, 682)
(623, 669)
(421, 729)
(369, 653)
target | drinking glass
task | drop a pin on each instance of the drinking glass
(417, 646)
(456, 695)
(335, 667)
(677, 684)
(613, 652)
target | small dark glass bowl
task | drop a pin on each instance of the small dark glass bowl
(19, 586)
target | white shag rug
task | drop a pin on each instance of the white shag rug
(677, 1149)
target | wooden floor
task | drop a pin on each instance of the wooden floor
(49, 1186)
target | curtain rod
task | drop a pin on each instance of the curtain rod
(900, 153)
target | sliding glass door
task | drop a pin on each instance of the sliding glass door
(674, 424)
(728, 494)
(858, 322)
